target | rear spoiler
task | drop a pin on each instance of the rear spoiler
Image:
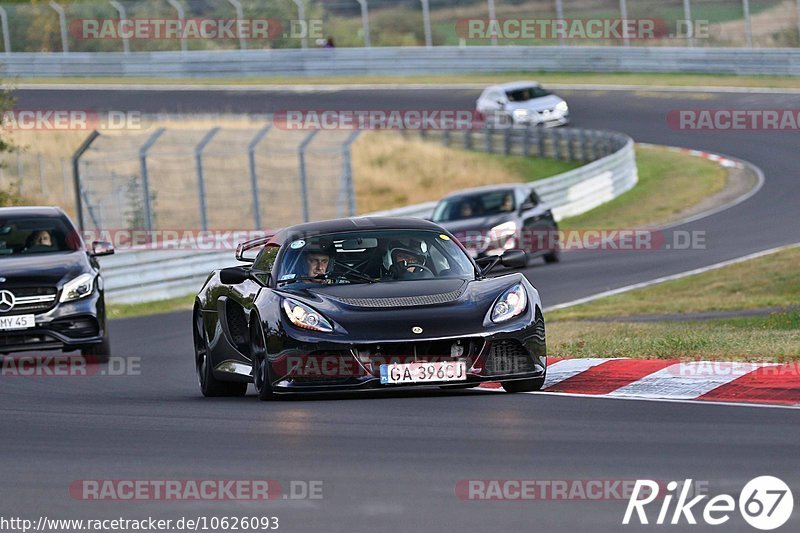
(249, 245)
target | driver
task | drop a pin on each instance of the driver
(317, 262)
(405, 263)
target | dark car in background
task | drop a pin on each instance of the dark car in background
(51, 291)
(490, 220)
(366, 304)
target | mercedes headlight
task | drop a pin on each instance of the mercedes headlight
(78, 288)
(504, 234)
(519, 114)
(562, 106)
(305, 317)
(510, 304)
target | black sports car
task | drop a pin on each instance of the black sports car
(366, 303)
(51, 291)
(490, 220)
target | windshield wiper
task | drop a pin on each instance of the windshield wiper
(326, 277)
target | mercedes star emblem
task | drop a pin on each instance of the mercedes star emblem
(6, 301)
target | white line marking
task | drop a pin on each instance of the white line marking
(686, 380)
(672, 277)
(561, 370)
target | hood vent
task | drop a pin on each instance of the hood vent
(404, 301)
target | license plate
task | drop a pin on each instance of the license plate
(16, 322)
(424, 372)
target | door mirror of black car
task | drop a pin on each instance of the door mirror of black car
(234, 275)
(101, 248)
(510, 259)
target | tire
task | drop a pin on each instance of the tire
(524, 385)
(258, 352)
(553, 256)
(98, 353)
(210, 386)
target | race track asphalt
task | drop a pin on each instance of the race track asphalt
(392, 462)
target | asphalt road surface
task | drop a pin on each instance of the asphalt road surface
(392, 462)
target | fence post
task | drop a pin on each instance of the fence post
(41, 172)
(123, 16)
(148, 208)
(76, 174)
(492, 18)
(346, 189)
(468, 139)
(201, 182)
(365, 21)
(251, 159)
(526, 141)
(301, 15)
(62, 22)
(687, 14)
(239, 23)
(560, 16)
(20, 171)
(301, 154)
(182, 18)
(748, 23)
(623, 10)
(7, 37)
(487, 140)
(426, 22)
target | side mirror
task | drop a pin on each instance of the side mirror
(526, 206)
(514, 259)
(234, 275)
(510, 259)
(101, 248)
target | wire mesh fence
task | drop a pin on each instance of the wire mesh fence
(240, 178)
(158, 25)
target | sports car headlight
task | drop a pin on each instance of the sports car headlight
(503, 235)
(510, 304)
(304, 317)
(80, 287)
(562, 106)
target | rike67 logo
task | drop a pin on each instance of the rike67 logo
(765, 503)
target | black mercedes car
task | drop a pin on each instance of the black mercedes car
(489, 220)
(51, 291)
(364, 304)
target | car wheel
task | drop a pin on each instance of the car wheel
(258, 352)
(553, 256)
(524, 385)
(209, 385)
(98, 353)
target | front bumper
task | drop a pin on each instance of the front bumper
(67, 326)
(302, 366)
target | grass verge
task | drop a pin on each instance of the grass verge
(771, 281)
(180, 303)
(576, 78)
(669, 182)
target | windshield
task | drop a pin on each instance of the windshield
(36, 235)
(475, 205)
(528, 93)
(372, 256)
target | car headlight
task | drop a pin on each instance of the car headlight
(510, 304)
(78, 288)
(562, 106)
(305, 317)
(503, 235)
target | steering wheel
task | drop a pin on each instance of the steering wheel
(422, 268)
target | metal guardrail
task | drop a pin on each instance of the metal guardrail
(403, 60)
(148, 275)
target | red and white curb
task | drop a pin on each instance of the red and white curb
(726, 162)
(661, 379)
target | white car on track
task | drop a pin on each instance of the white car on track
(524, 103)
